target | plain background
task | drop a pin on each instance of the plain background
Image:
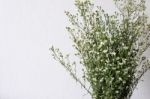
(27, 71)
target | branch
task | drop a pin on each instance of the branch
(145, 68)
(57, 56)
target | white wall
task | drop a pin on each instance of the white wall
(27, 71)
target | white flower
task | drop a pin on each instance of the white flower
(113, 53)
(104, 51)
(120, 78)
(101, 44)
(101, 79)
(117, 91)
(125, 47)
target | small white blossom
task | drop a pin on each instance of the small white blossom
(104, 51)
(113, 53)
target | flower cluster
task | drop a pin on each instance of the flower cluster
(110, 47)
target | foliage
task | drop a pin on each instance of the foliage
(110, 47)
